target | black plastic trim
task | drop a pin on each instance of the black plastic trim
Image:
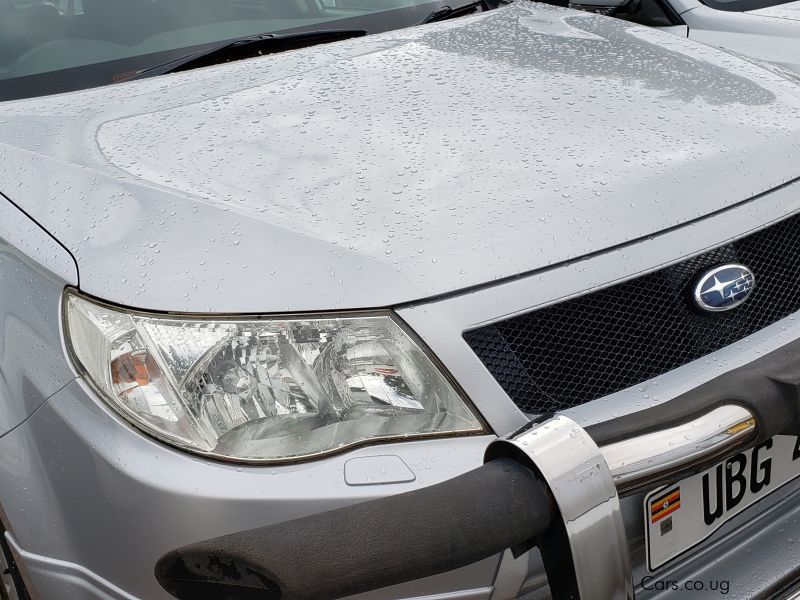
(769, 388)
(368, 545)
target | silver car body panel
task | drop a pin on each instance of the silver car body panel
(65, 580)
(789, 11)
(365, 173)
(34, 269)
(29, 239)
(769, 34)
(370, 174)
(754, 34)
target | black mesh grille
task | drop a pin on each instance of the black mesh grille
(606, 341)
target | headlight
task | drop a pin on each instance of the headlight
(264, 389)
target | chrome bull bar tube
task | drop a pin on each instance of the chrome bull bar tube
(583, 487)
(653, 457)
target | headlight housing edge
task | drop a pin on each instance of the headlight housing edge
(265, 389)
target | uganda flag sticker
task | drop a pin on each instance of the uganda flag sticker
(665, 504)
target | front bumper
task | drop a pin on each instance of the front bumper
(91, 480)
(502, 505)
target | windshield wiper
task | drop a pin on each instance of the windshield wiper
(248, 47)
(451, 12)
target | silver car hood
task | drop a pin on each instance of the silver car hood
(396, 167)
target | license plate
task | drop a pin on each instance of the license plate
(681, 515)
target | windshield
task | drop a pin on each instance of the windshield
(50, 46)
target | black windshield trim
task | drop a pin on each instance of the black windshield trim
(248, 47)
(743, 5)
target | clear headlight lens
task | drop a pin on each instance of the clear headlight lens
(267, 389)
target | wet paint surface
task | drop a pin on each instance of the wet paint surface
(398, 166)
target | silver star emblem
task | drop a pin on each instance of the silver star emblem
(718, 287)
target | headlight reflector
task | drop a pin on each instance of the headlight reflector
(264, 389)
